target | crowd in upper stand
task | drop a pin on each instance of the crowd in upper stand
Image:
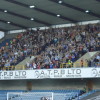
(94, 62)
(52, 46)
(68, 45)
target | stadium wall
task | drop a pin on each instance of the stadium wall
(48, 84)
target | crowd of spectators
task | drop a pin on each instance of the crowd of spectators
(94, 62)
(69, 44)
(51, 46)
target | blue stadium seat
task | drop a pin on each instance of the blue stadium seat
(58, 94)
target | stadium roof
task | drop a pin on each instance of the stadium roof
(22, 14)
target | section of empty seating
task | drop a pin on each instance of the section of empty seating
(38, 94)
(86, 94)
(95, 98)
(3, 93)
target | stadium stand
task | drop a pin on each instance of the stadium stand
(49, 50)
(86, 59)
(57, 94)
(68, 42)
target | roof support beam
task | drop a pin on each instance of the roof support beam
(4, 30)
(53, 14)
(42, 11)
(14, 24)
(25, 17)
(76, 8)
(98, 0)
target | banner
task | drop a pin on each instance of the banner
(1, 34)
(51, 73)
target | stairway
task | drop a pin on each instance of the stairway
(21, 65)
(85, 57)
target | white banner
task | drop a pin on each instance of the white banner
(51, 73)
(1, 34)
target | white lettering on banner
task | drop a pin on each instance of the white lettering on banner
(51, 73)
(12, 74)
(56, 73)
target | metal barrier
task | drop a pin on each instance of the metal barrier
(66, 65)
(79, 64)
(18, 67)
(62, 65)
